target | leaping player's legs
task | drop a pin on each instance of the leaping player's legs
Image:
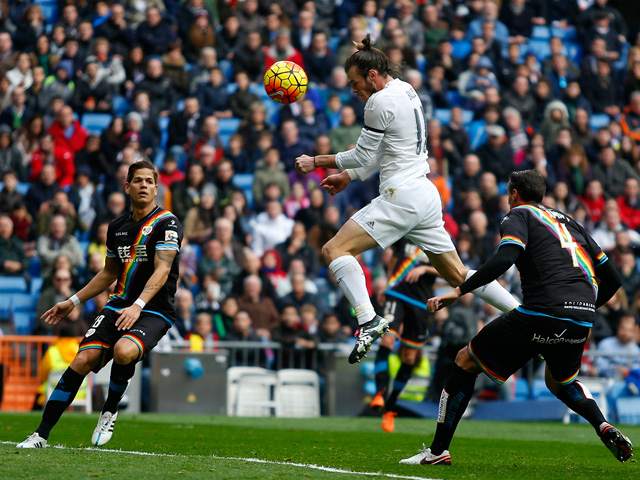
(339, 253)
(62, 396)
(455, 273)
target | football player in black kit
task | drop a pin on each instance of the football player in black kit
(558, 263)
(410, 285)
(142, 256)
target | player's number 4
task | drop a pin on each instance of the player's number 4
(567, 241)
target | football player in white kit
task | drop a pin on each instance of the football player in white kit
(393, 142)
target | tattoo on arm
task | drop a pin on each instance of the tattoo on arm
(152, 288)
(166, 256)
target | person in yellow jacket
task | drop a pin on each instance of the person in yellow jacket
(58, 357)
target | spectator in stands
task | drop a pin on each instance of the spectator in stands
(603, 90)
(319, 60)
(185, 311)
(282, 49)
(347, 133)
(252, 265)
(242, 331)
(272, 267)
(186, 193)
(254, 126)
(296, 247)
(17, 112)
(58, 241)
(183, 127)
(59, 204)
(21, 75)
(630, 118)
(297, 343)
(613, 173)
(299, 296)
(115, 29)
(8, 56)
(250, 57)
(42, 190)
(232, 248)
(272, 171)
(92, 94)
(199, 34)
(10, 157)
(297, 200)
(629, 152)
(155, 33)
(241, 100)
(520, 98)
(489, 12)
(214, 262)
(67, 132)
(556, 117)
(330, 330)
(311, 123)
(271, 228)
(98, 244)
(160, 89)
(56, 155)
(260, 308)
(207, 135)
(13, 261)
(606, 231)
(202, 337)
(9, 196)
(173, 64)
(229, 39)
(59, 291)
(238, 155)
(291, 145)
(116, 205)
(574, 170)
(5, 92)
(23, 226)
(198, 223)
(496, 155)
(518, 17)
(580, 129)
(628, 271)
(615, 365)
(37, 95)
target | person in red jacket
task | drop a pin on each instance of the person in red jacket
(629, 204)
(593, 200)
(67, 132)
(282, 50)
(50, 153)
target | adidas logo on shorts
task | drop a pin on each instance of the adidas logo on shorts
(371, 224)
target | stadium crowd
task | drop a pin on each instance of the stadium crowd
(87, 87)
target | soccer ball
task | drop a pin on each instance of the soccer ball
(285, 82)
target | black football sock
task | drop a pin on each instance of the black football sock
(401, 380)
(381, 368)
(59, 401)
(578, 398)
(453, 402)
(120, 377)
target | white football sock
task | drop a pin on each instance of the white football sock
(350, 278)
(494, 294)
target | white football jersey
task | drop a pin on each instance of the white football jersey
(393, 140)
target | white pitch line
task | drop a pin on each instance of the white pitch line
(240, 459)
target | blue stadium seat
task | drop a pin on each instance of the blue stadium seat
(244, 181)
(574, 51)
(461, 49)
(540, 48)
(522, 391)
(539, 390)
(96, 123)
(22, 302)
(50, 12)
(197, 250)
(232, 87)
(13, 285)
(334, 44)
(34, 267)
(228, 126)
(121, 105)
(36, 286)
(180, 105)
(84, 245)
(163, 123)
(454, 99)
(23, 322)
(23, 187)
(541, 31)
(477, 133)
(442, 114)
(599, 120)
(569, 33)
(628, 409)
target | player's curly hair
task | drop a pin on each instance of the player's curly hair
(368, 57)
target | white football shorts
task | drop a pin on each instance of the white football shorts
(413, 210)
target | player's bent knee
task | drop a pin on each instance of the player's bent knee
(125, 351)
(85, 361)
(328, 252)
(465, 362)
(409, 356)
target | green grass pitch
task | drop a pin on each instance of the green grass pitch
(200, 446)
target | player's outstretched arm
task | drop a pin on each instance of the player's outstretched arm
(307, 164)
(336, 183)
(162, 267)
(98, 284)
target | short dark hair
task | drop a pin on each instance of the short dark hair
(530, 185)
(139, 165)
(367, 57)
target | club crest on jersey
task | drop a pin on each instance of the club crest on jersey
(147, 230)
(170, 236)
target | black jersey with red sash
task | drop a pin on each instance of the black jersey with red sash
(134, 244)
